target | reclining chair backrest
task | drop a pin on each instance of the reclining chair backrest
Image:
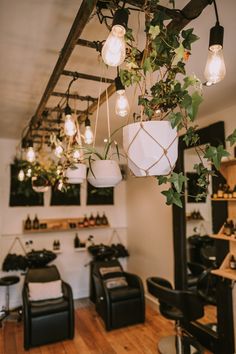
(42, 275)
(187, 302)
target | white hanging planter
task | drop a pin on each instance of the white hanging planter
(37, 186)
(151, 147)
(77, 174)
(104, 173)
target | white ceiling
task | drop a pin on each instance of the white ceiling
(32, 32)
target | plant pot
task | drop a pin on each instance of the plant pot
(40, 185)
(77, 174)
(151, 147)
(104, 173)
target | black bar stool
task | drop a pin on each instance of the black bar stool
(7, 282)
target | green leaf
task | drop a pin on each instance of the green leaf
(178, 179)
(191, 137)
(154, 31)
(175, 119)
(172, 197)
(193, 109)
(187, 101)
(147, 66)
(162, 179)
(215, 154)
(189, 38)
(232, 138)
(179, 53)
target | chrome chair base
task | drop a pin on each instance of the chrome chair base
(179, 345)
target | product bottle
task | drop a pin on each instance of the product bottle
(76, 241)
(28, 224)
(91, 220)
(234, 192)
(36, 223)
(220, 191)
(85, 221)
(232, 263)
(104, 220)
(227, 228)
(98, 220)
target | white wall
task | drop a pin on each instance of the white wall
(70, 263)
(150, 229)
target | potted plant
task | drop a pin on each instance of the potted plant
(103, 170)
(76, 173)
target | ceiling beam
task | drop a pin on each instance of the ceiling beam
(59, 109)
(82, 17)
(87, 77)
(74, 96)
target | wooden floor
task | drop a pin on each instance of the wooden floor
(91, 337)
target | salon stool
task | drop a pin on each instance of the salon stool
(6, 313)
(177, 305)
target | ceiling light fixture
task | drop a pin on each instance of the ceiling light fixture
(88, 134)
(21, 176)
(215, 66)
(30, 153)
(114, 49)
(122, 103)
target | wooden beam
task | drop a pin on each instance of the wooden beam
(58, 109)
(74, 96)
(88, 44)
(82, 17)
(86, 76)
(92, 108)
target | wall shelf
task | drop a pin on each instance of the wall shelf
(230, 162)
(224, 271)
(61, 225)
(224, 199)
(223, 237)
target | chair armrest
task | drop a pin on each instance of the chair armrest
(134, 280)
(66, 290)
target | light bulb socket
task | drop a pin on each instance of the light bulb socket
(121, 18)
(67, 110)
(24, 143)
(216, 35)
(87, 122)
(118, 83)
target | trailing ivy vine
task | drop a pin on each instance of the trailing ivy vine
(175, 96)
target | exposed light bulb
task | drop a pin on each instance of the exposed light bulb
(88, 135)
(30, 154)
(215, 66)
(122, 104)
(69, 127)
(60, 185)
(21, 176)
(29, 172)
(113, 51)
(76, 154)
(58, 151)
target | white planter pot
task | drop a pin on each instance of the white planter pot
(105, 173)
(151, 147)
(76, 175)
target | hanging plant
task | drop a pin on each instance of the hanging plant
(172, 101)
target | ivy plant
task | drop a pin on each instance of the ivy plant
(175, 95)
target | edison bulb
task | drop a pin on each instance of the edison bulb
(30, 155)
(29, 172)
(215, 67)
(58, 151)
(69, 127)
(76, 154)
(122, 104)
(88, 135)
(21, 176)
(113, 51)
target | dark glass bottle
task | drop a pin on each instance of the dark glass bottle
(28, 223)
(220, 191)
(98, 220)
(76, 241)
(36, 223)
(91, 220)
(85, 221)
(232, 262)
(104, 219)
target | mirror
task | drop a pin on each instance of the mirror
(221, 340)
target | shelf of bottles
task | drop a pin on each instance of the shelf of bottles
(227, 231)
(67, 224)
(224, 193)
(227, 268)
(194, 216)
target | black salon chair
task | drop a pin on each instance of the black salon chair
(195, 271)
(119, 295)
(47, 320)
(176, 305)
